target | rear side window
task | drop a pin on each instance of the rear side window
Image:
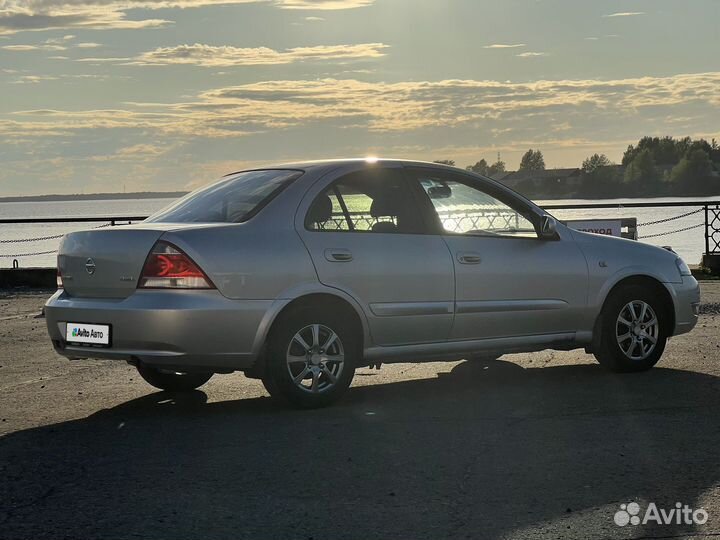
(231, 200)
(376, 201)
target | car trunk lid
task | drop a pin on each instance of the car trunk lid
(107, 263)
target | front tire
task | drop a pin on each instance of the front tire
(311, 358)
(172, 381)
(633, 330)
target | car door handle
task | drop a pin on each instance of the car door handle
(468, 257)
(338, 255)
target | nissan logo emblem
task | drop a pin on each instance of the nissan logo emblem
(90, 266)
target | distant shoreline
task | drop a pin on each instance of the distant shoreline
(96, 196)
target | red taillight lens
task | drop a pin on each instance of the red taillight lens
(169, 268)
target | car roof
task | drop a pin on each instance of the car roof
(325, 163)
(329, 164)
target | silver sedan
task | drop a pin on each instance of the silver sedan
(298, 274)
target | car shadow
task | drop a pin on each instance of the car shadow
(485, 450)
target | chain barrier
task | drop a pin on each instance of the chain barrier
(665, 220)
(39, 239)
(28, 254)
(697, 225)
(55, 237)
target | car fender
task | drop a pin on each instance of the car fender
(627, 272)
(299, 291)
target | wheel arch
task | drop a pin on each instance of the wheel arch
(643, 280)
(334, 300)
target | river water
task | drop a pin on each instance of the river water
(689, 244)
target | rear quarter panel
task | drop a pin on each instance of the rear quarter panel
(261, 259)
(248, 261)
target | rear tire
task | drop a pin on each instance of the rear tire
(311, 357)
(633, 330)
(172, 381)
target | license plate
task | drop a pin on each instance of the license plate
(88, 334)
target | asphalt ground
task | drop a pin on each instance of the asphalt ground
(543, 445)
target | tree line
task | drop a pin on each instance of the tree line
(654, 167)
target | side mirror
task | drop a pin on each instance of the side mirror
(548, 228)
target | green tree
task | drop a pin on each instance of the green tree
(642, 175)
(592, 163)
(667, 151)
(715, 151)
(532, 160)
(602, 181)
(450, 162)
(496, 168)
(692, 174)
(481, 167)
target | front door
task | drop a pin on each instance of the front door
(366, 237)
(509, 281)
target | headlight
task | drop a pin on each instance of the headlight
(682, 267)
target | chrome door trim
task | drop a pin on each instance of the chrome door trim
(496, 306)
(404, 309)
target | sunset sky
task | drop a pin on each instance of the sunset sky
(106, 95)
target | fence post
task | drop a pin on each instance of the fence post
(707, 232)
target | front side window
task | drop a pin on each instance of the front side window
(375, 200)
(233, 199)
(465, 209)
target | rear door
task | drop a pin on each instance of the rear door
(509, 282)
(366, 237)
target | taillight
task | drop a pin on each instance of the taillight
(59, 279)
(169, 268)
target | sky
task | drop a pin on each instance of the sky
(164, 95)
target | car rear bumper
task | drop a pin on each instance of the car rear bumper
(686, 299)
(172, 329)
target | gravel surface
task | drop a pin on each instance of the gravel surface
(544, 445)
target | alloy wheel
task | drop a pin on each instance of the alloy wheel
(315, 358)
(637, 330)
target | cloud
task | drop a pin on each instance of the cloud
(624, 14)
(399, 107)
(504, 46)
(25, 15)
(25, 48)
(51, 45)
(302, 119)
(324, 4)
(33, 79)
(314, 19)
(93, 17)
(225, 56)
(63, 39)
(531, 54)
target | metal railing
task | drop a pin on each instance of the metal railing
(709, 209)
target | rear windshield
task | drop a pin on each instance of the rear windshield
(231, 200)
